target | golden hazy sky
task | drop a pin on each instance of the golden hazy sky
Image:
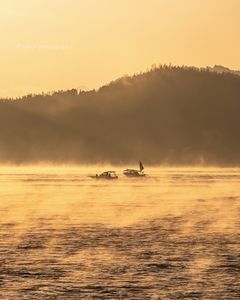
(58, 44)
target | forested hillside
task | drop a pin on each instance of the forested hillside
(173, 115)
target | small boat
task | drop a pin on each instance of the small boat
(135, 173)
(105, 175)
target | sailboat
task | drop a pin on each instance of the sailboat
(135, 173)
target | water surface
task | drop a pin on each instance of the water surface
(172, 235)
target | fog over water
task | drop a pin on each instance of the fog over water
(174, 234)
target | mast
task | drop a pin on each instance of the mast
(141, 166)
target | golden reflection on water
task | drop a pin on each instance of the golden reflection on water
(172, 234)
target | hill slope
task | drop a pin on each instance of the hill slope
(174, 115)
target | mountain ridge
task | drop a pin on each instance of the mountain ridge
(168, 115)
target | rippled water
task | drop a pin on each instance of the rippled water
(172, 235)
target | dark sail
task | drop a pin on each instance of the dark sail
(141, 166)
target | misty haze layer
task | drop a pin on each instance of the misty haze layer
(173, 115)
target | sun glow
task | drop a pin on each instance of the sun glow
(51, 45)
